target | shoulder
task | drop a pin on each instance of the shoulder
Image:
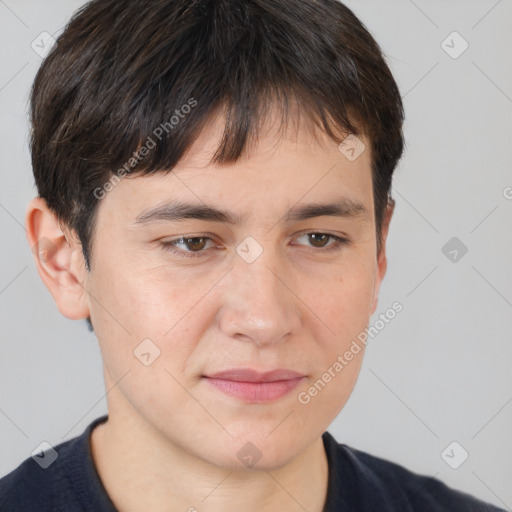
(31, 483)
(55, 479)
(380, 484)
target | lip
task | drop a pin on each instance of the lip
(250, 385)
(250, 375)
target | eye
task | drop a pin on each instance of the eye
(320, 240)
(194, 244)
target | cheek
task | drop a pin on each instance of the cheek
(343, 302)
(156, 304)
(343, 306)
(148, 301)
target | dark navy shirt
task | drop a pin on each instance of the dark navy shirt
(358, 482)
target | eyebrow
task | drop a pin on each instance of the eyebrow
(176, 211)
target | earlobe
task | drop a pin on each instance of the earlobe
(58, 259)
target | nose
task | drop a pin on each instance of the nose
(260, 303)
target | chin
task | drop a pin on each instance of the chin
(254, 450)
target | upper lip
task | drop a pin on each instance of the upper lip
(250, 375)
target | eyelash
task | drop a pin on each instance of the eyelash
(170, 246)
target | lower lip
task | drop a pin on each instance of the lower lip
(255, 391)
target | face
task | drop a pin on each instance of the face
(263, 290)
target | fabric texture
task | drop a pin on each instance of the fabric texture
(358, 482)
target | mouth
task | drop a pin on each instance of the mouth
(250, 385)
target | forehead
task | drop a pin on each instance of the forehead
(281, 166)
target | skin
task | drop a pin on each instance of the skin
(171, 440)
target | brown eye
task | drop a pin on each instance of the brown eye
(319, 239)
(323, 241)
(195, 244)
(192, 246)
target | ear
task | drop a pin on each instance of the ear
(382, 262)
(59, 259)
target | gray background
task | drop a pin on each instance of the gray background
(440, 371)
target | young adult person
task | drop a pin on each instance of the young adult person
(214, 198)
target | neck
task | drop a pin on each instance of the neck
(159, 475)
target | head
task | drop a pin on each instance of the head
(251, 109)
